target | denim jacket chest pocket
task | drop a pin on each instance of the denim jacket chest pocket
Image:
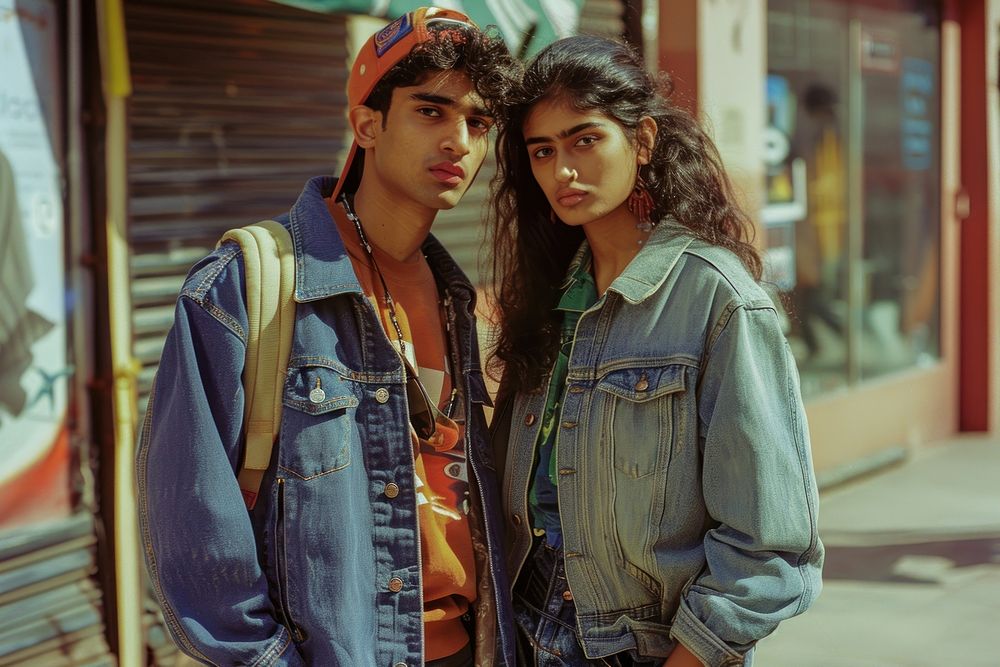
(317, 421)
(639, 411)
(639, 407)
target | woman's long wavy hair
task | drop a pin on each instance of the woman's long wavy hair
(531, 255)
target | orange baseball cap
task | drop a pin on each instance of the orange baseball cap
(380, 54)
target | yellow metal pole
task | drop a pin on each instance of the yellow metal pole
(128, 568)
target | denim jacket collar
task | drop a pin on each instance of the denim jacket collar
(448, 272)
(323, 267)
(650, 268)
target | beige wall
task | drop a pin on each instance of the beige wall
(732, 64)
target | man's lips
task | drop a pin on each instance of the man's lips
(569, 196)
(446, 172)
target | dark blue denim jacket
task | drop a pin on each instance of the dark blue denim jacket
(687, 499)
(304, 577)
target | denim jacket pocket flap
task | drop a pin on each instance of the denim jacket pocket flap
(643, 383)
(319, 429)
(317, 390)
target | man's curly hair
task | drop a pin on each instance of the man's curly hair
(481, 54)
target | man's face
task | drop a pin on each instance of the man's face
(433, 142)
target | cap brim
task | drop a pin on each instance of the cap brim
(350, 176)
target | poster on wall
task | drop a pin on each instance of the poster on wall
(35, 369)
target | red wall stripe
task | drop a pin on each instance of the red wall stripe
(974, 286)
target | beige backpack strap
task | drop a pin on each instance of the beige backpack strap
(270, 282)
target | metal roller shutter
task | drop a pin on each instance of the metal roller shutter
(236, 103)
(50, 606)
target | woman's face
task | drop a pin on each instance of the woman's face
(583, 161)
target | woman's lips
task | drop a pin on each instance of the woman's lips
(448, 173)
(568, 197)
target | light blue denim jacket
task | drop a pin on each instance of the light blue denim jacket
(686, 492)
(304, 578)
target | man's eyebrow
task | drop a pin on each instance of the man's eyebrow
(564, 133)
(430, 98)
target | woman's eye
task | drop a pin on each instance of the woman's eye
(480, 124)
(542, 152)
(586, 141)
(430, 112)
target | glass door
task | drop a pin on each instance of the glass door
(853, 214)
(895, 213)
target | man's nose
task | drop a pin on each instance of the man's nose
(457, 140)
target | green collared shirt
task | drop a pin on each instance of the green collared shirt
(579, 294)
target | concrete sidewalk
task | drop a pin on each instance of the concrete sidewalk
(912, 573)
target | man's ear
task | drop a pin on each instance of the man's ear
(645, 135)
(365, 122)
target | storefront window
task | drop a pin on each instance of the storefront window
(853, 207)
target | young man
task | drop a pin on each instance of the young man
(371, 541)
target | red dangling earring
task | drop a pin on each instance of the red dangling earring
(640, 203)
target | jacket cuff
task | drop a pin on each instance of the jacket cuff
(706, 646)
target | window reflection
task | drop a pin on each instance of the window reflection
(852, 214)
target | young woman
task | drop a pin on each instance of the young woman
(661, 504)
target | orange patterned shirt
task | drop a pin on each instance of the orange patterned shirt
(448, 566)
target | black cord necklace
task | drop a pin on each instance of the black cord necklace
(387, 297)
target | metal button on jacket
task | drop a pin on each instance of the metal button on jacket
(317, 395)
(382, 395)
(642, 384)
(516, 519)
(391, 490)
(395, 584)
(529, 419)
(567, 595)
